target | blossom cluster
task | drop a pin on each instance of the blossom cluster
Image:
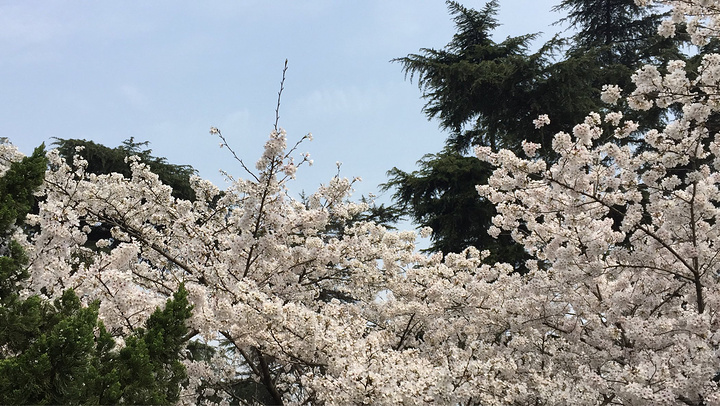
(702, 18)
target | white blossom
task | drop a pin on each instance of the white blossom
(541, 121)
(610, 93)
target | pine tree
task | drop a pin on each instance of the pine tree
(617, 37)
(103, 160)
(487, 93)
(60, 353)
(474, 82)
(458, 215)
(619, 31)
(16, 199)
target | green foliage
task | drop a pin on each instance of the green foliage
(53, 366)
(150, 367)
(60, 353)
(485, 93)
(617, 37)
(17, 186)
(474, 82)
(12, 269)
(104, 160)
(442, 195)
(623, 32)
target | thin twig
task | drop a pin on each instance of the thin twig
(282, 87)
(237, 158)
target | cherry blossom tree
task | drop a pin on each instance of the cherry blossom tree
(275, 288)
(620, 305)
(625, 240)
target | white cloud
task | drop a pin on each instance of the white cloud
(351, 100)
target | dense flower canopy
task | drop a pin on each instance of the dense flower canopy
(303, 304)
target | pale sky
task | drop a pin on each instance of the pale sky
(166, 71)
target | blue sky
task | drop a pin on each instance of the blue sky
(166, 71)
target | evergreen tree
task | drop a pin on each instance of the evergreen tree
(104, 160)
(488, 93)
(620, 31)
(16, 199)
(459, 215)
(481, 91)
(617, 37)
(60, 353)
(468, 86)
